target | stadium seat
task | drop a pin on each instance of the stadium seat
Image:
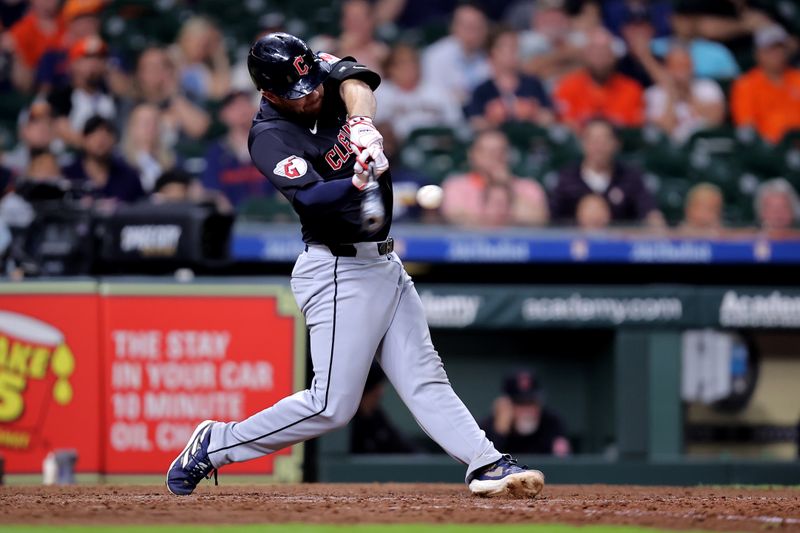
(789, 157)
(660, 155)
(757, 156)
(268, 209)
(435, 152)
(540, 150)
(189, 148)
(8, 135)
(790, 12)
(713, 157)
(632, 145)
(671, 195)
(10, 105)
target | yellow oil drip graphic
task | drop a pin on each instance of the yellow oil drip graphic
(62, 365)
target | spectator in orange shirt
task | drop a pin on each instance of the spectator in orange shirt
(489, 195)
(81, 19)
(597, 89)
(768, 97)
(32, 35)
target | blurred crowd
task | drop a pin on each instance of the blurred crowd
(589, 113)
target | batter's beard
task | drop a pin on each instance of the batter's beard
(302, 119)
(303, 116)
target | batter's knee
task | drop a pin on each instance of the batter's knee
(338, 414)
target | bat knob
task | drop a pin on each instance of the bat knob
(372, 212)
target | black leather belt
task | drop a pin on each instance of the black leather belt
(348, 250)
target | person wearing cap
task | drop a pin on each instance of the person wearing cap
(617, 14)
(520, 422)
(637, 30)
(99, 173)
(81, 19)
(598, 89)
(314, 139)
(711, 59)
(229, 168)
(767, 98)
(87, 94)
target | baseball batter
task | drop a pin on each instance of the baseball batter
(313, 138)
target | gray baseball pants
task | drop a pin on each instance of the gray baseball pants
(356, 309)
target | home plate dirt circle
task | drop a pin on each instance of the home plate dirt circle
(724, 509)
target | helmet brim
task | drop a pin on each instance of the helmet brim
(305, 85)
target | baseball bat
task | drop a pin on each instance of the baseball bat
(372, 212)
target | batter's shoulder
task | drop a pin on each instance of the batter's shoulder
(349, 68)
(275, 128)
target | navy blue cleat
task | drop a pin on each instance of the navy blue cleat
(192, 465)
(506, 477)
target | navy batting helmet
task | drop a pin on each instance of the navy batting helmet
(285, 66)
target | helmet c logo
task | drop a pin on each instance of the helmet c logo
(300, 65)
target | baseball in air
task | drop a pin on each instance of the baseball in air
(430, 196)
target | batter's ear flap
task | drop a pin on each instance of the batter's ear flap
(271, 98)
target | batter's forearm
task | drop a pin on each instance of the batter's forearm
(325, 195)
(358, 98)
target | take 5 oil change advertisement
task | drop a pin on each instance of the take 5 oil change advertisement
(123, 374)
(49, 379)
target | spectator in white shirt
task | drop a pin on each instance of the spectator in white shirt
(681, 104)
(144, 146)
(457, 63)
(405, 103)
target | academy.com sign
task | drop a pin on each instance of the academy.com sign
(775, 310)
(450, 311)
(578, 308)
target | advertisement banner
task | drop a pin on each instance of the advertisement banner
(49, 374)
(533, 306)
(178, 355)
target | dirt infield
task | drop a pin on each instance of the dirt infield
(666, 507)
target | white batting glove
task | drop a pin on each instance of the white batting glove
(367, 142)
(360, 170)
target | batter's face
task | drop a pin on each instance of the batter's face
(308, 106)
